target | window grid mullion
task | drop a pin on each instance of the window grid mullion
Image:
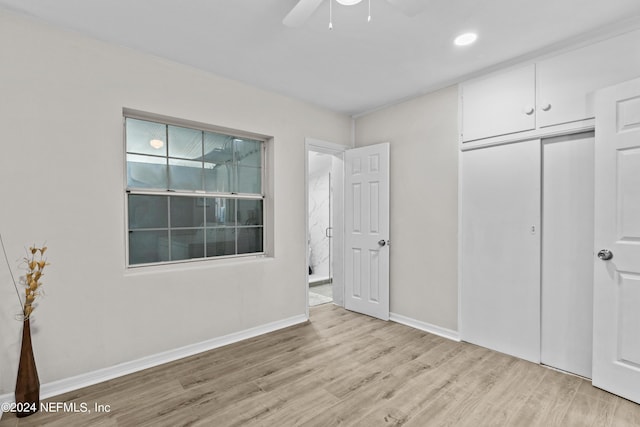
(169, 233)
(234, 166)
(150, 192)
(202, 182)
(204, 228)
(166, 138)
(235, 226)
(204, 204)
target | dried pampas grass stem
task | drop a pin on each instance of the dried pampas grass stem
(15, 285)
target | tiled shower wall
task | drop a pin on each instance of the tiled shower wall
(319, 213)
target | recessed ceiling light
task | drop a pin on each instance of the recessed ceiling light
(156, 143)
(348, 2)
(465, 39)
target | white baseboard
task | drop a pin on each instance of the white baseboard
(65, 385)
(423, 326)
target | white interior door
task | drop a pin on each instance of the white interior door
(616, 335)
(367, 230)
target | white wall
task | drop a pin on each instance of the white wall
(424, 203)
(62, 181)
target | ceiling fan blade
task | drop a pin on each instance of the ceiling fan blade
(410, 7)
(301, 12)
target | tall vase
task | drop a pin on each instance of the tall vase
(27, 384)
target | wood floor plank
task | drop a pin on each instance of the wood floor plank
(508, 394)
(428, 389)
(626, 414)
(8, 420)
(588, 411)
(471, 387)
(342, 368)
(297, 409)
(549, 401)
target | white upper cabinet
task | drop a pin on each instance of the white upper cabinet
(553, 95)
(499, 104)
(565, 83)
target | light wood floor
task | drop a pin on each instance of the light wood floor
(345, 369)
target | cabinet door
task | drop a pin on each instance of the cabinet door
(500, 294)
(499, 104)
(566, 82)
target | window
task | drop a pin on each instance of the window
(191, 193)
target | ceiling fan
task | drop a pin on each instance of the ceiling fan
(305, 8)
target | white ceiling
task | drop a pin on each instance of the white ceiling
(357, 66)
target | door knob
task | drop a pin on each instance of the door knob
(382, 242)
(605, 254)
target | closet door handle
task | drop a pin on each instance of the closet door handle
(605, 254)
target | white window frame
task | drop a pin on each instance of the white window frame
(264, 195)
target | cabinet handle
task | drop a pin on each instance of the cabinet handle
(528, 110)
(545, 106)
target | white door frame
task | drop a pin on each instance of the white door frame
(337, 150)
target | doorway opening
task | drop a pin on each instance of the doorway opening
(320, 231)
(324, 222)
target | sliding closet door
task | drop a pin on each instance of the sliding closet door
(500, 299)
(567, 253)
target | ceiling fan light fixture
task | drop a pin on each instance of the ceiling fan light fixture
(465, 39)
(348, 2)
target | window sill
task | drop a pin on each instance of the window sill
(190, 265)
